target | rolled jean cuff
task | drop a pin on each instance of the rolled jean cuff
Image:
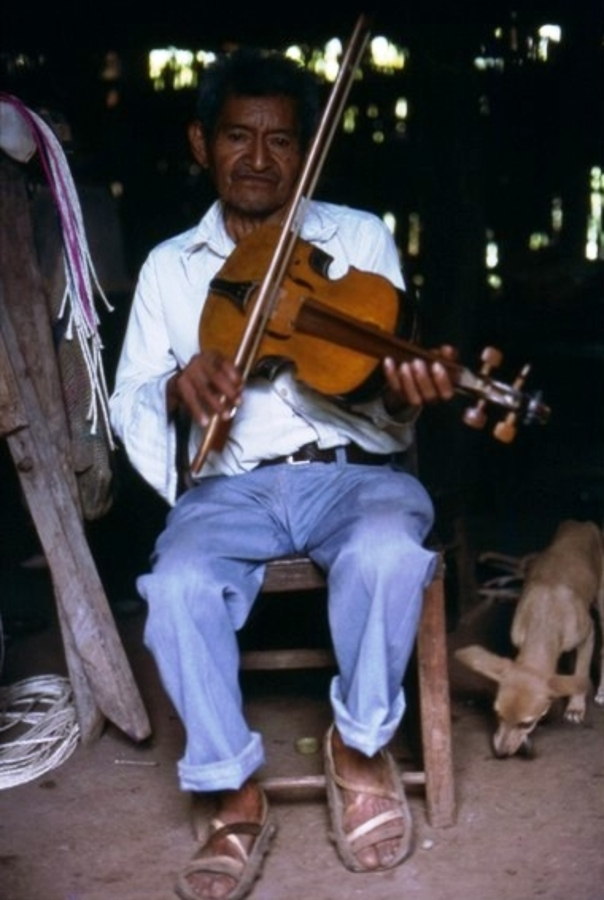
(368, 739)
(224, 775)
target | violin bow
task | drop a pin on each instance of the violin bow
(266, 297)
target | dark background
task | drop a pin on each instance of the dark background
(463, 170)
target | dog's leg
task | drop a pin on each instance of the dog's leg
(599, 695)
(575, 708)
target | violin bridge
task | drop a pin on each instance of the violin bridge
(283, 318)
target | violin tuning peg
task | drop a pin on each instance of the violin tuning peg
(505, 431)
(491, 358)
(475, 416)
(522, 376)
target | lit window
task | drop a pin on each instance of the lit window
(295, 52)
(557, 216)
(594, 246)
(491, 252)
(349, 119)
(413, 238)
(386, 56)
(401, 108)
(390, 221)
(551, 33)
(538, 240)
(172, 68)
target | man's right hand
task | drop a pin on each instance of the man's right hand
(208, 385)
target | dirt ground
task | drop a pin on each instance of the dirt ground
(110, 823)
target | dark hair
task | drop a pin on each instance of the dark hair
(254, 72)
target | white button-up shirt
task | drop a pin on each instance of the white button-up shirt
(276, 416)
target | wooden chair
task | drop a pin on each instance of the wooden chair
(298, 573)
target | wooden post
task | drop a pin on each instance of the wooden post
(435, 704)
(33, 421)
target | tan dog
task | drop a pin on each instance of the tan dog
(553, 616)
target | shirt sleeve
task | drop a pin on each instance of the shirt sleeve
(375, 251)
(138, 403)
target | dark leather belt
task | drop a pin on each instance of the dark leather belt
(313, 453)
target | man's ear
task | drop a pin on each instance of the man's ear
(197, 142)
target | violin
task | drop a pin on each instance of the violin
(338, 331)
(273, 298)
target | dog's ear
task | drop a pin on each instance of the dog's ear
(484, 661)
(566, 685)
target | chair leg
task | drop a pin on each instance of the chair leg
(435, 706)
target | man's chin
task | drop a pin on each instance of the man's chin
(254, 210)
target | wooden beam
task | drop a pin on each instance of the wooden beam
(35, 428)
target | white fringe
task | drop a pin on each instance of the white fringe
(78, 304)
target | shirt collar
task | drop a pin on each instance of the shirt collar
(210, 232)
(318, 226)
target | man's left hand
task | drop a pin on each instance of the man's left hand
(418, 381)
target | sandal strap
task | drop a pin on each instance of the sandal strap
(356, 788)
(230, 830)
(390, 822)
(217, 865)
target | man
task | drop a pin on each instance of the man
(362, 519)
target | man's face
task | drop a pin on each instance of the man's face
(254, 156)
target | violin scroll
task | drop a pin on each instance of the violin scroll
(519, 404)
(476, 416)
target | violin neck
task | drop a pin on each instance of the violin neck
(320, 320)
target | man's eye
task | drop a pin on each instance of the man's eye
(281, 143)
(236, 137)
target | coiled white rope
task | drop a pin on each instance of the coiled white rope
(38, 728)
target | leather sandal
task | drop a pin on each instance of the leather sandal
(244, 868)
(393, 824)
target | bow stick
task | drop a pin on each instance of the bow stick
(269, 289)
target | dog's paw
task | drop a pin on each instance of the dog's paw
(575, 712)
(599, 698)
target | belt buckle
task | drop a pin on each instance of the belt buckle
(291, 461)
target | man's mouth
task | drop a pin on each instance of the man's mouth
(254, 179)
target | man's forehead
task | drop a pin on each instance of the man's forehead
(275, 112)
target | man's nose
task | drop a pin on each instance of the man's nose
(260, 153)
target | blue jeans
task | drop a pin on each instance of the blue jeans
(364, 525)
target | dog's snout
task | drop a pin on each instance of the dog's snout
(527, 748)
(501, 749)
(504, 749)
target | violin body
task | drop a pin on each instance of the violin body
(306, 316)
